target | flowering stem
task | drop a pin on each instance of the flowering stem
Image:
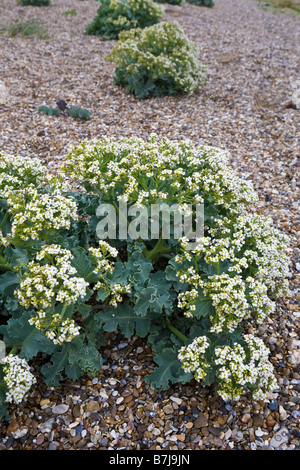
(14, 350)
(159, 248)
(4, 219)
(63, 311)
(177, 332)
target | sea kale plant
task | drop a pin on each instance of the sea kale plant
(158, 60)
(115, 16)
(110, 257)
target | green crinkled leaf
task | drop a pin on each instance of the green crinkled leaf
(17, 256)
(124, 318)
(169, 370)
(139, 269)
(84, 356)
(83, 264)
(83, 309)
(94, 331)
(73, 371)
(102, 294)
(18, 332)
(204, 308)
(73, 360)
(144, 300)
(156, 297)
(52, 371)
(209, 378)
(8, 282)
(171, 275)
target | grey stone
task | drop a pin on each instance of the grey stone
(60, 409)
(281, 437)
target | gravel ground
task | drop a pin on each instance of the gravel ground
(246, 107)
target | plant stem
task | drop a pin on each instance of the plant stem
(159, 248)
(4, 219)
(178, 333)
(63, 311)
(14, 350)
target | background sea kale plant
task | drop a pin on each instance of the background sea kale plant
(62, 288)
(72, 111)
(157, 60)
(114, 16)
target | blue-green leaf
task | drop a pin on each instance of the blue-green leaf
(8, 282)
(18, 332)
(125, 319)
(168, 371)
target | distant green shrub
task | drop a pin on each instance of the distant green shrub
(49, 110)
(172, 2)
(76, 112)
(35, 3)
(205, 3)
(115, 16)
(73, 111)
(158, 60)
(30, 29)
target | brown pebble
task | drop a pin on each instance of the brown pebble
(76, 411)
(12, 427)
(201, 421)
(40, 439)
(246, 418)
(128, 398)
(257, 421)
(92, 406)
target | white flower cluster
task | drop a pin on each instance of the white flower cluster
(233, 298)
(3, 239)
(135, 6)
(104, 265)
(34, 213)
(101, 255)
(257, 254)
(187, 300)
(233, 304)
(250, 242)
(193, 359)
(115, 16)
(48, 280)
(19, 172)
(58, 330)
(241, 370)
(131, 11)
(53, 281)
(147, 172)
(17, 377)
(162, 51)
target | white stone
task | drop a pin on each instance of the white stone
(176, 400)
(281, 437)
